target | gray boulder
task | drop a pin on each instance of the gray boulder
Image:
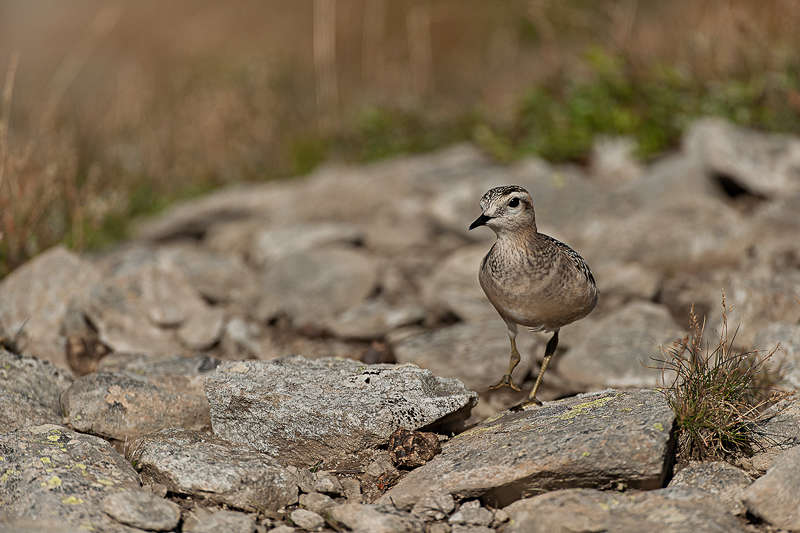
(120, 407)
(758, 301)
(30, 391)
(313, 285)
(34, 298)
(762, 163)
(57, 476)
(142, 509)
(668, 510)
(592, 440)
(775, 497)
(786, 360)
(721, 479)
(365, 518)
(272, 244)
(454, 286)
(301, 411)
(618, 349)
(193, 463)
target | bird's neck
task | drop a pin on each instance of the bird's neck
(517, 237)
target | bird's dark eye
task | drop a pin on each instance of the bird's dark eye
(514, 202)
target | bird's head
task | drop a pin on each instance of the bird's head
(507, 208)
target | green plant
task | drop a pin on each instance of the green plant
(718, 394)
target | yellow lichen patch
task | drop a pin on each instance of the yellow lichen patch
(586, 406)
(52, 483)
(106, 482)
(46, 461)
(53, 438)
(475, 431)
(71, 500)
(586, 454)
(7, 475)
(659, 426)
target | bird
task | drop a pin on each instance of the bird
(531, 279)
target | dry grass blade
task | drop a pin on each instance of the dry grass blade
(718, 393)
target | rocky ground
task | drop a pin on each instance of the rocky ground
(246, 362)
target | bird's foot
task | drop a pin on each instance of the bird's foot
(505, 381)
(525, 403)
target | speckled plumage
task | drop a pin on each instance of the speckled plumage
(532, 279)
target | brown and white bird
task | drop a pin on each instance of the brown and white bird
(532, 279)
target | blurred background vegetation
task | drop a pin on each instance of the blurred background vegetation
(112, 110)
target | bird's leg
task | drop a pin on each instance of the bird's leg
(552, 344)
(512, 364)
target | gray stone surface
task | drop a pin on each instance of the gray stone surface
(471, 516)
(317, 502)
(217, 277)
(129, 311)
(779, 425)
(177, 373)
(203, 329)
(586, 510)
(475, 353)
(453, 287)
(760, 162)
(617, 349)
(373, 320)
(30, 390)
(271, 245)
(302, 410)
(312, 285)
(758, 301)
(703, 233)
(787, 359)
(721, 479)
(193, 463)
(224, 522)
(120, 407)
(34, 298)
(434, 505)
(54, 475)
(775, 497)
(143, 510)
(306, 520)
(366, 518)
(592, 440)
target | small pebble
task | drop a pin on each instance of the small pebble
(307, 520)
(327, 483)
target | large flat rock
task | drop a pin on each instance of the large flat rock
(591, 440)
(300, 411)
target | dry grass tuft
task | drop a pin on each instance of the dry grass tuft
(719, 393)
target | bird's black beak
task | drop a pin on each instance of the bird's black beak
(480, 221)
